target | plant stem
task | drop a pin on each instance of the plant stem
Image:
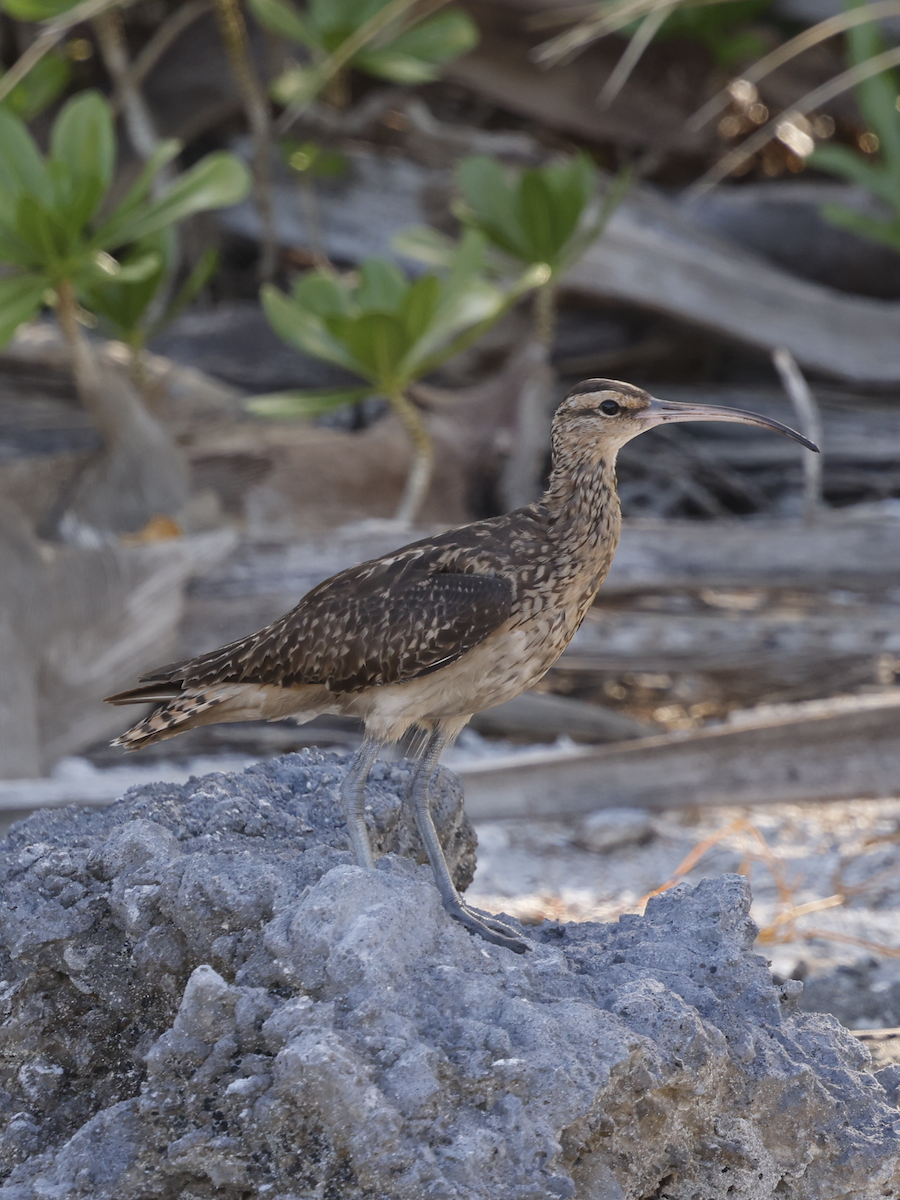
(138, 121)
(84, 365)
(545, 313)
(256, 106)
(810, 421)
(140, 470)
(110, 30)
(420, 471)
(520, 481)
(119, 416)
(168, 32)
(310, 205)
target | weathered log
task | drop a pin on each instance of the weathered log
(820, 751)
(652, 255)
(839, 551)
(75, 622)
(541, 716)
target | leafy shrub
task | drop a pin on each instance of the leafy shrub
(403, 50)
(55, 237)
(388, 331)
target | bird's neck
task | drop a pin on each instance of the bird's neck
(582, 507)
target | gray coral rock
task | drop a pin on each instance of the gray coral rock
(205, 998)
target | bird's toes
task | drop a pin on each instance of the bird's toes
(490, 929)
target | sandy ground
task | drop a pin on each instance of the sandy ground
(825, 877)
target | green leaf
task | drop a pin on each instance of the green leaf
(416, 54)
(342, 15)
(16, 252)
(218, 180)
(425, 359)
(842, 161)
(466, 299)
(419, 307)
(82, 156)
(537, 217)
(377, 341)
(22, 169)
(440, 39)
(390, 64)
(37, 10)
(40, 87)
(322, 294)
(310, 403)
(573, 186)
(20, 298)
(492, 204)
(426, 245)
(382, 286)
(885, 233)
(45, 232)
(123, 297)
(876, 96)
(282, 18)
(392, 331)
(164, 153)
(305, 330)
(595, 219)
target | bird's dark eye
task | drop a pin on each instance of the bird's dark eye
(610, 408)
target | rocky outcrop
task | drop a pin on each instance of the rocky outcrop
(204, 997)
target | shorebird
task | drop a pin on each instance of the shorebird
(434, 632)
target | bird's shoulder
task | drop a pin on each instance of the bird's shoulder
(387, 620)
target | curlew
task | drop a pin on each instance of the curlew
(434, 632)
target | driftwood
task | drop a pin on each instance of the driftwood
(820, 751)
(112, 474)
(541, 716)
(74, 625)
(654, 256)
(840, 551)
(630, 639)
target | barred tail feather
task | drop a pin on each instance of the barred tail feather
(177, 716)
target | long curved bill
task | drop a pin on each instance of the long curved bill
(663, 411)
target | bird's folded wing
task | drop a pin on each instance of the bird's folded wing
(370, 626)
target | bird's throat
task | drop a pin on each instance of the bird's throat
(583, 521)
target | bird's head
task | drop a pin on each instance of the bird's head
(604, 414)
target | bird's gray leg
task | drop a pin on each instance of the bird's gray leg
(483, 924)
(353, 798)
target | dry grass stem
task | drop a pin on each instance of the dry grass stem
(52, 32)
(844, 82)
(790, 49)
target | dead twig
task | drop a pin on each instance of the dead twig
(810, 421)
(256, 106)
(643, 36)
(168, 33)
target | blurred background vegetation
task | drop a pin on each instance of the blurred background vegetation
(271, 269)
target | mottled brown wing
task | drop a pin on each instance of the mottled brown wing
(377, 624)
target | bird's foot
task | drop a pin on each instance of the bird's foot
(488, 927)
